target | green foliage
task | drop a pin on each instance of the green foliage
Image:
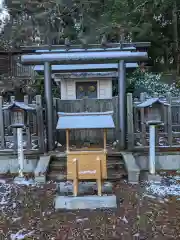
(150, 83)
(38, 87)
(50, 22)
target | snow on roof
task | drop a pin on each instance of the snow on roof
(20, 105)
(150, 102)
(85, 120)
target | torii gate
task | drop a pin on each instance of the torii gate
(77, 55)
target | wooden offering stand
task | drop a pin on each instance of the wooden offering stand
(86, 164)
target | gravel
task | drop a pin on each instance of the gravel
(27, 212)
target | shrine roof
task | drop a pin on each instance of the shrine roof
(150, 102)
(20, 105)
(85, 120)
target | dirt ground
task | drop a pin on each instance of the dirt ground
(27, 212)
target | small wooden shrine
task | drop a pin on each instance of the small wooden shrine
(86, 164)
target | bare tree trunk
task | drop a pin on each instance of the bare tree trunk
(175, 37)
(166, 59)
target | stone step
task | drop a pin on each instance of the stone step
(60, 159)
(58, 168)
(61, 175)
(112, 156)
(110, 164)
(86, 202)
(57, 165)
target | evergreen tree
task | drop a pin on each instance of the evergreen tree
(51, 21)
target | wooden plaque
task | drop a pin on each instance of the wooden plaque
(85, 165)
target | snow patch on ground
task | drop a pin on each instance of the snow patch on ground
(16, 200)
(21, 235)
(168, 187)
(5, 193)
(23, 181)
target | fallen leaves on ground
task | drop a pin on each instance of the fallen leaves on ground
(27, 212)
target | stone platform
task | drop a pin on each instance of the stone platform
(85, 188)
(85, 202)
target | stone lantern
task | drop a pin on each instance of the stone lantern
(19, 111)
(153, 109)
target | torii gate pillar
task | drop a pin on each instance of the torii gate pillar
(49, 105)
(122, 104)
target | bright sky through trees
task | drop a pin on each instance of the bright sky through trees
(3, 14)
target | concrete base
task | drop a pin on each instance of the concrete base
(166, 162)
(146, 176)
(86, 202)
(42, 165)
(133, 177)
(154, 178)
(42, 168)
(84, 188)
(131, 167)
(40, 179)
(9, 163)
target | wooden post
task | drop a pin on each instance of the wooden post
(99, 180)
(34, 118)
(165, 115)
(2, 123)
(28, 134)
(136, 115)
(143, 124)
(169, 118)
(12, 99)
(67, 140)
(155, 95)
(55, 118)
(105, 139)
(40, 123)
(116, 117)
(75, 180)
(130, 121)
